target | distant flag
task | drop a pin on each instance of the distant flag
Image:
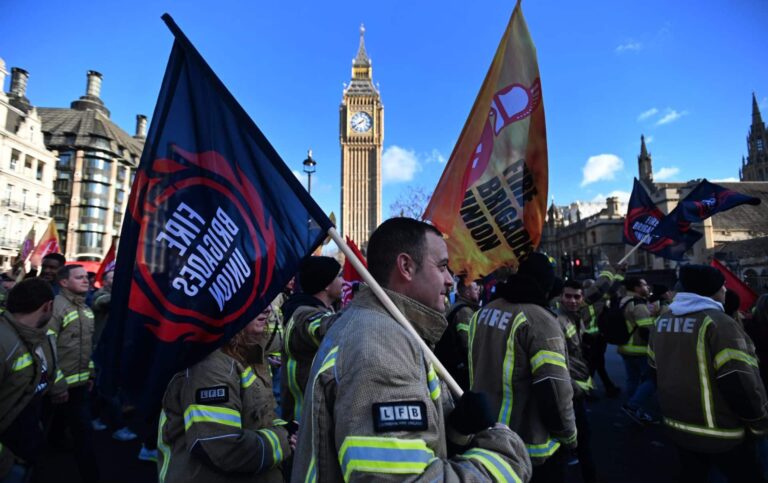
(747, 296)
(350, 275)
(491, 200)
(705, 200)
(216, 227)
(27, 245)
(107, 265)
(49, 243)
(642, 224)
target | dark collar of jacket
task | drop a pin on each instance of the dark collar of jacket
(78, 300)
(522, 289)
(29, 335)
(471, 304)
(299, 300)
(429, 324)
(574, 317)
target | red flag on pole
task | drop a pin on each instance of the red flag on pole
(734, 283)
(107, 265)
(49, 243)
(350, 275)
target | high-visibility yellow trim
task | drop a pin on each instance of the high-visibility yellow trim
(164, 449)
(274, 443)
(544, 450)
(433, 382)
(51, 332)
(470, 343)
(496, 466)
(727, 355)
(462, 327)
(587, 385)
(247, 378)
(371, 454)
(59, 376)
(330, 360)
(312, 471)
(707, 402)
(198, 413)
(633, 350)
(702, 431)
(651, 354)
(91, 365)
(22, 362)
(508, 397)
(606, 274)
(644, 322)
(69, 318)
(547, 357)
(75, 378)
(570, 330)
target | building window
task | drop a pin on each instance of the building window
(64, 162)
(594, 237)
(9, 194)
(90, 241)
(759, 145)
(40, 169)
(24, 194)
(15, 156)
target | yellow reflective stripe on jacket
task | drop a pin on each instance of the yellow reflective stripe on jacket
(592, 324)
(462, 327)
(312, 329)
(508, 397)
(50, 332)
(635, 350)
(644, 322)
(293, 386)
(702, 431)
(247, 378)
(586, 385)
(470, 339)
(570, 330)
(164, 449)
(21, 362)
(75, 378)
(371, 454)
(727, 355)
(434, 383)
(274, 442)
(547, 357)
(544, 450)
(606, 274)
(329, 360)
(707, 402)
(91, 365)
(495, 465)
(69, 318)
(198, 413)
(651, 354)
(312, 472)
(59, 376)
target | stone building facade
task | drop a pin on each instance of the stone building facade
(26, 168)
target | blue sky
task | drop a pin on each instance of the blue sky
(682, 73)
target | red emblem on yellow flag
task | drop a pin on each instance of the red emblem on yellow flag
(491, 200)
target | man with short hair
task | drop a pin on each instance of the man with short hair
(374, 407)
(309, 315)
(49, 268)
(28, 368)
(453, 348)
(518, 356)
(712, 399)
(72, 324)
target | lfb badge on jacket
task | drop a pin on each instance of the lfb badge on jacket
(218, 394)
(206, 248)
(400, 416)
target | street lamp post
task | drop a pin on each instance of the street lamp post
(309, 168)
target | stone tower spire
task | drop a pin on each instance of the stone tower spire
(757, 119)
(644, 163)
(756, 167)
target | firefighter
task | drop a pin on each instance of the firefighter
(518, 354)
(375, 408)
(452, 348)
(712, 400)
(218, 421)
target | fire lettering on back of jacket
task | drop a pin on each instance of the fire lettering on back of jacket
(675, 324)
(207, 258)
(498, 319)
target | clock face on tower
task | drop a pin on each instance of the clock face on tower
(361, 122)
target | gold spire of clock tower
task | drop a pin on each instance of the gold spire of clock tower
(361, 133)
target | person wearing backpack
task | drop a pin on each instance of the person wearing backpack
(638, 317)
(452, 349)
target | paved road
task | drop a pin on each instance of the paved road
(624, 452)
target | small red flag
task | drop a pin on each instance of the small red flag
(350, 275)
(732, 282)
(107, 264)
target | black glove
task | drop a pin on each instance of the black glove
(472, 413)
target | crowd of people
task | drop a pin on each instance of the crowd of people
(313, 391)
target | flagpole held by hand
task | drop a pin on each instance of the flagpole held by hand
(399, 317)
(634, 249)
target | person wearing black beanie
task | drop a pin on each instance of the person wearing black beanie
(518, 326)
(709, 386)
(308, 317)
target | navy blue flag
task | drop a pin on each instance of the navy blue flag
(703, 201)
(642, 224)
(216, 226)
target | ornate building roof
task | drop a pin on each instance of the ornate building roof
(362, 72)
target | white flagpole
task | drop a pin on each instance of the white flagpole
(393, 310)
(634, 249)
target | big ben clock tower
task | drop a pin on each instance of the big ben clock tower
(361, 132)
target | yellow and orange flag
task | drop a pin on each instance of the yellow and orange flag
(491, 200)
(49, 243)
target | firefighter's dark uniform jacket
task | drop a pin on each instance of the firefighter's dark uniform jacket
(462, 311)
(596, 297)
(578, 369)
(639, 320)
(708, 380)
(27, 370)
(72, 324)
(519, 358)
(308, 321)
(218, 424)
(375, 409)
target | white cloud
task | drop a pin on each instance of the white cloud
(435, 157)
(601, 167)
(622, 195)
(665, 173)
(763, 104)
(399, 165)
(731, 179)
(648, 139)
(646, 114)
(628, 46)
(671, 116)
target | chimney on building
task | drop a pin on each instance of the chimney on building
(141, 126)
(91, 99)
(613, 206)
(18, 93)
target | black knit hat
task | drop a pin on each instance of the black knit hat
(538, 267)
(701, 279)
(316, 273)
